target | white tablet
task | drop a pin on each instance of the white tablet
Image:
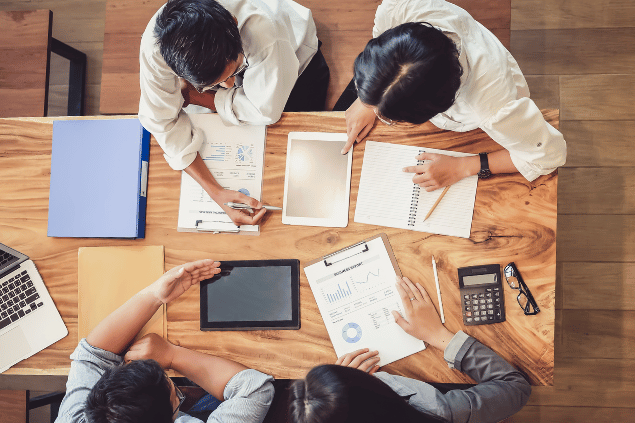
(317, 181)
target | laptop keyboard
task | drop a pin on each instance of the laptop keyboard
(18, 298)
(6, 258)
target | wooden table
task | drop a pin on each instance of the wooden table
(514, 220)
(343, 27)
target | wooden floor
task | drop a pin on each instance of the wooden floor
(578, 56)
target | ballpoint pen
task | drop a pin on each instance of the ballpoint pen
(241, 206)
(436, 280)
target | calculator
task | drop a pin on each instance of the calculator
(482, 295)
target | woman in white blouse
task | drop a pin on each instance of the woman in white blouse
(430, 60)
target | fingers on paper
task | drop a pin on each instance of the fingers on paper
(427, 156)
(403, 323)
(405, 298)
(419, 169)
(412, 289)
(363, 359)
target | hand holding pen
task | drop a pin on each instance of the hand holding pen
(246, 207)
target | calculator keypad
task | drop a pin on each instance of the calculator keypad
(482, 306)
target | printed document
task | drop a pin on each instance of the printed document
(355, 294)
(388, 197)
(235, 156)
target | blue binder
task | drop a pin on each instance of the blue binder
(99, 174)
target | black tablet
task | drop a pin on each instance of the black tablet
(252, 295)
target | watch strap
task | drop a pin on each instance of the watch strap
(484, 172)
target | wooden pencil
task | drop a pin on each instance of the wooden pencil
(436, 203)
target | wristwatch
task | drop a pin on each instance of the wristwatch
(484, 172)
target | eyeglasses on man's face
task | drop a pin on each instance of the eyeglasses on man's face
(180, 396)
(218, 85)
(525, 300)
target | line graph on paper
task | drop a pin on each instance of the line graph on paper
(365, 281)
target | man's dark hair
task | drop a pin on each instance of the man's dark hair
(197, 39)
(410, 73)
(337, 394)
(137, 392)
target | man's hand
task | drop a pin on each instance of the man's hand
(360, 119)
(152, 347)
(440, 170)
(361, 359)
(192, 96)
(242, 216)
(179, 279)
(422, 320)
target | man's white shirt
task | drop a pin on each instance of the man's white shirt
(279, 40)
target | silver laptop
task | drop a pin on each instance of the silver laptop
(29, 320)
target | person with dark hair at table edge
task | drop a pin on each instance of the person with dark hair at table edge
(106, 383)
(354, 391)
(430, 60)
(247, 60)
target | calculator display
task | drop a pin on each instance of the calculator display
(479, 279)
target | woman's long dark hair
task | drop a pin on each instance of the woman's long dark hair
(410, 73)
(337, 394)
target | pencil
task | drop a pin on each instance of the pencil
(436, 203)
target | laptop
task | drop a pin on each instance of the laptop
(29, 320)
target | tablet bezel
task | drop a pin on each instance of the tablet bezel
(294, 323)
(331, 222)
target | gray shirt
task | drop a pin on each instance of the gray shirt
(501, 390)
(247, 395)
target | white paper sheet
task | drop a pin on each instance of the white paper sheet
(235, 156)
(388, 197)
(355, 296)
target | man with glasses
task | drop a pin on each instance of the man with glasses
(247, 60)
(110, 383)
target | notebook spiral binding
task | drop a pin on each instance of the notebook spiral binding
(414, 201)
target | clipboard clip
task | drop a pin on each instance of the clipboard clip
(216, 226)
(355, 251)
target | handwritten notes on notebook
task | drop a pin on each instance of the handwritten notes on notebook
(388, 197)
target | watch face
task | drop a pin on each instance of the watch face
(484, 173)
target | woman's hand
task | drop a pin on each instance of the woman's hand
(179, 279)
(360, 119)
(441, 170)
(361, 359)
(422, 320)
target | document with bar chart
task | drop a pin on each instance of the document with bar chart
(355, 292)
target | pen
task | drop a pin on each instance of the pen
(239, 206)
(436, 280)
(434, 206)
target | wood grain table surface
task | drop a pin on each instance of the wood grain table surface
(25, 49)
(514, 220)
(343, 27)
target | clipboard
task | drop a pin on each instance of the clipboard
(354, 289)
(356, 249)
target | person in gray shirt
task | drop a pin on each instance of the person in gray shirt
(110, 383)
(346, 392)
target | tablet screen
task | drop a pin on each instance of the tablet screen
(317, 180)
(251, 295)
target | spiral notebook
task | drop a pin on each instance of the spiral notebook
(388, 197)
